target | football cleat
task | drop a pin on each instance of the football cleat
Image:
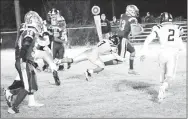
(56, 78)
(131, 71)
(13, 110)
(161, 94)
(68, 65)
(87, 74)
(8, 97)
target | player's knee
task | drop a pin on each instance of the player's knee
(102, 66)
(16, 84)
(53, 67)
(132, 55)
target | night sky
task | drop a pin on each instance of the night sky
(155, 7)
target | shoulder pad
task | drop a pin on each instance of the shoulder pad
(180, 27)
(155, 28)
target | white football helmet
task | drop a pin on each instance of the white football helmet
(132, 10)
(32, 19)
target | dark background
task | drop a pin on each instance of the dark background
(74, 13)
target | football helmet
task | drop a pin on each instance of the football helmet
(33, 20)
(166, 17)
(115, 39)
(132, 10)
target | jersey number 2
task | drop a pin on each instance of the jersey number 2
(171, 35)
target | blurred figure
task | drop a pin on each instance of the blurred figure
(105, 26)
(148, 18)
(114, 25)
(58, 34)
(114, 22)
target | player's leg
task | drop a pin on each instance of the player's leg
(131, 49)
(19, 98)
(21, 93)
(100, 67)
(18, 83)
(163, 84)
(61, 56)
(54, 50)
(49, 60)
(19, 79)
(31, 99)
(112, 62)
(169, 73)
(82, 56)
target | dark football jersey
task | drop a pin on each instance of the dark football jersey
(125, 25)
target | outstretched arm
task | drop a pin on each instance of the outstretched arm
(148, 40)
(118, 57)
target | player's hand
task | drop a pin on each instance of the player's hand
(124, 60)
(38, 69)
(142, 58)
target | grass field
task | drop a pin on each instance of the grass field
(112, 93)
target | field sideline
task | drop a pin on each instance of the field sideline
(110, 94)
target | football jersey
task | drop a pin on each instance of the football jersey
(125, 25)
(169, 35)
(104, 46)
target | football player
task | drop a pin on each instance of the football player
(127, 20)
(169, 35)
(32, 47)
(104, 47)
(59, 35)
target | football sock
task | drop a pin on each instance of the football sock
(131, 63)
(97, 70)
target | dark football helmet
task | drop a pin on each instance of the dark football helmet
(115, 39)
(166, 17)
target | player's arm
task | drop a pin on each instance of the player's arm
(149, 38)
(118, 57)
(180, 41)
(114, 53)
(180, 44)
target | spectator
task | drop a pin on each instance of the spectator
(105, 26)
(114, 24)
(148, 18)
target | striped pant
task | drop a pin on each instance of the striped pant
(124, 46)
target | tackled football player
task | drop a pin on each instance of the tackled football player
(95, 54)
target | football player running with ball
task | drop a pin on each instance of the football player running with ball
(127, 22)
(171, 42)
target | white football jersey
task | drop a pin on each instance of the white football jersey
(104, 46)
(169, 35)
